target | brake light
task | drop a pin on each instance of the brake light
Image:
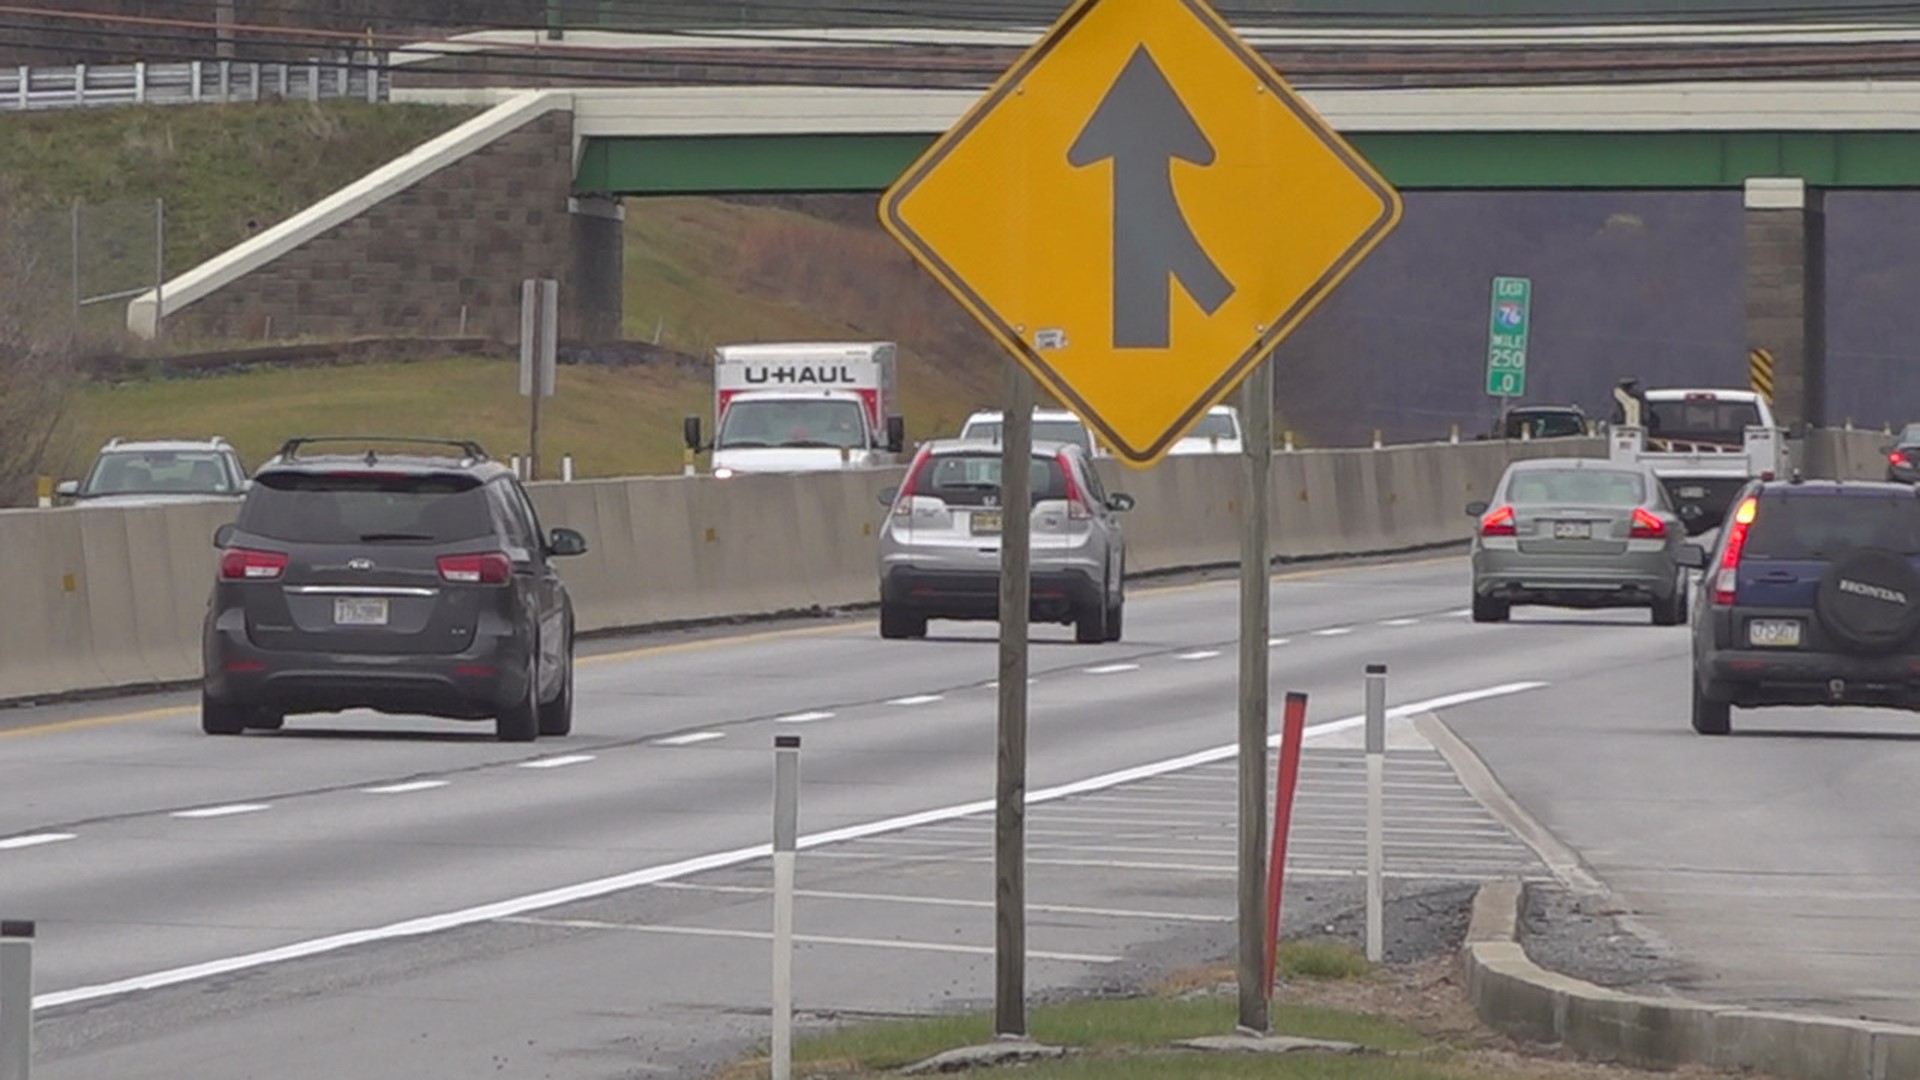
(903, 502)
(247, 564)
(1896, 458)
(1646, 526)
(490, 568)
(1498, 523)
(1727, 578)
(1077, 508)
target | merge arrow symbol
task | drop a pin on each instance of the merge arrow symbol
(1143, 127)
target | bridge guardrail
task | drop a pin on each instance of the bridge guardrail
(27, 88)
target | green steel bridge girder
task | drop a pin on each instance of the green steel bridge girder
(1412, 161)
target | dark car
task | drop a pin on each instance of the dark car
(1541, 422)
(1810, 597)
(1903, 457)
(405, 583)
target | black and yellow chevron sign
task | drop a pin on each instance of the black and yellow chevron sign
(1760, 373)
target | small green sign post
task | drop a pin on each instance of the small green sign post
(1507, 337)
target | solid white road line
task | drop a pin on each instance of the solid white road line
(803, 718)
(35, 840)
(943, 901)
(690, 740)
(222, 811)
(807, 939)
(587, 890)
(560, 762)
(916, 699)
(405, 789)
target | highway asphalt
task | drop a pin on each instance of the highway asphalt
(377, 897)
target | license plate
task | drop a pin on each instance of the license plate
(985, 522)
(359, 611)
(1573, 530)
(1693, 491)
(1774, 633)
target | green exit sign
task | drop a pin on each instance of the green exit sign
(1507, 336)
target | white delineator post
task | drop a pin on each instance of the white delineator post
(786, 832)
(16, 1000)
(1376, 809)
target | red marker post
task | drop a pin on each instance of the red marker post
(1293, 729)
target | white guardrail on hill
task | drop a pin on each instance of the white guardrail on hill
(97, 598)
(189, 83)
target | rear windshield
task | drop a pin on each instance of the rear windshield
(974, 479)
(1820, 529)
(1577, 487)
(1545, 425)
(1708, 421)
(354, 509)
(1214, 425)
(1058, 431)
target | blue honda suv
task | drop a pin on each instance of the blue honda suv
(1810, 597)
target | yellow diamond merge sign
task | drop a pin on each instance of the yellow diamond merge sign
(1140, 209)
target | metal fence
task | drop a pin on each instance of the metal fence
(364, 78)
(79, 266)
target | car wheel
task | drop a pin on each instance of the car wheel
(1711, 717)
(1672, 611)
(556, 717)
(1490, 609)
(520, 722)
(1116, 619)
(896, 624)
(1090, 624)
(220, 718)
(266, 720)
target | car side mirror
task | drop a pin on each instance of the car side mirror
(223, 535)
(565, 543)
(896, 433)
(1476, 509)
(246, 486)
(1693, 556)
(888, 494)
(1120, 502)
(690, 432)
(68, 488)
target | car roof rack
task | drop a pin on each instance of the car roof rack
(470, 450)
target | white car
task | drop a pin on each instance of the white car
(153, 471)
(1218, 432)
(1049, 426)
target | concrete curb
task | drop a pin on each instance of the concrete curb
(1517, 997)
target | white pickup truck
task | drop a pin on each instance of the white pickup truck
(1704, 445)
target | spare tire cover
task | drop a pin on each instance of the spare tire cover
(1870, 600)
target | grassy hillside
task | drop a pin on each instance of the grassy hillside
(614, 421)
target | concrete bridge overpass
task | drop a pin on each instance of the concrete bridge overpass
(533, 187)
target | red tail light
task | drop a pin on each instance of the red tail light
(246, 564)
(491, 568)
(1727, 578)
(1896, 458)
(1498, 523)
(1077, 508)
(1647, 527)
(903, 502)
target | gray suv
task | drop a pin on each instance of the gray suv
(398, 582)
(940, 544)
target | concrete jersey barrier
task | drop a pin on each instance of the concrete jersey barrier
(100, 599)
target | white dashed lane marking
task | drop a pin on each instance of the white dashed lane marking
(222, 811)
(1201, 654)
(35, 840)
(1112, 669)
(557, 762)
(689, 740)
(1334, 631)
(804, 718)
(915, 699)
(406, 789)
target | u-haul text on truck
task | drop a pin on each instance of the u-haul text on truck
(802, 407)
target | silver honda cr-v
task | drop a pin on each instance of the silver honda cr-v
(940, 545)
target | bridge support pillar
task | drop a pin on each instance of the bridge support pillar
(1785, 231)
(598, 225)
